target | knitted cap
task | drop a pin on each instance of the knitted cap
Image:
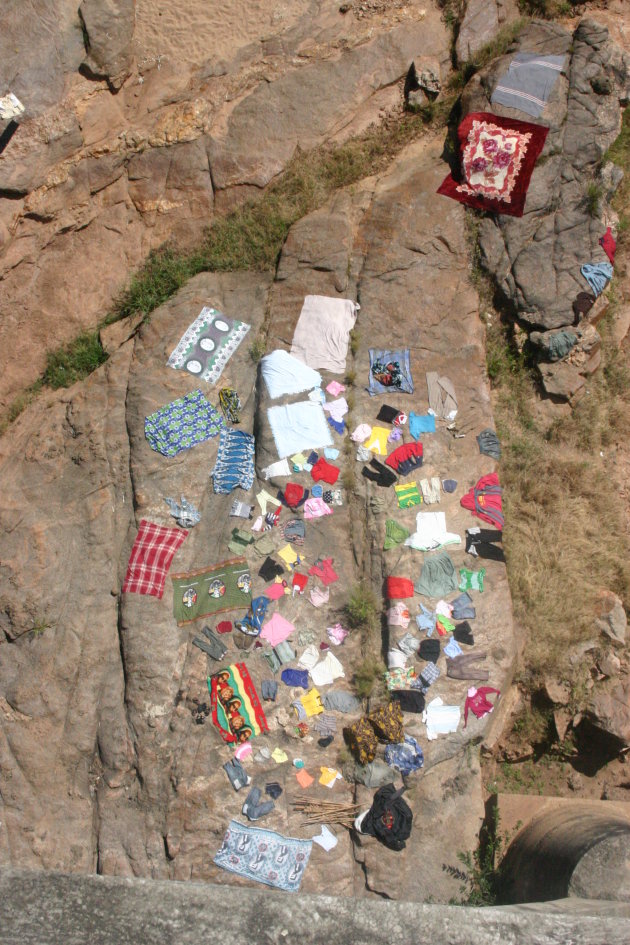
(429, 650)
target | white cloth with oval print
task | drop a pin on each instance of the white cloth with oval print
(208, 344)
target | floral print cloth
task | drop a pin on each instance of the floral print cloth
(181, 424)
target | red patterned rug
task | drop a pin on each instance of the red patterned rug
(497, 159)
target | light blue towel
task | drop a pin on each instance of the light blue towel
(421, 423)
(298, 427)
(598, 275)
(284, 374)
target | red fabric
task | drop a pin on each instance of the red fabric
(493, 503)
(398, 587)
(224, 626)
(151, 557)
(324, 571)
(402, 453)
(450, 186)
(293, 493)
(478, 704)
(325, 471)
(608, 244)
(300, 581)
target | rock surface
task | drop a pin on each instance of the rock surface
(109, 26)
(610, 709)
(481, 22)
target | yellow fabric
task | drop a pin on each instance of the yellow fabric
(288, 555)
(279, 756)
(298, 460)
(312, 702)
(378, 441)
(329, 776)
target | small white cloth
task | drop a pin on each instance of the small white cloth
(431, 490)
(281, 468)
(284, 374)
(361, 433)
(327, 670)
(431, 532)
(326, 839)
(440, 719)
(310, 657)
(10, 106)
(396, 659)
(444, 608)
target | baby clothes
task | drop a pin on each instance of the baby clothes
(398, 615)
(431, 490)
(440, 719)
(421, 423)
(379, 474)
(377, 441)
(471, 580)
(319, 597)
(324, 570)
(478, 703)
(405, 458)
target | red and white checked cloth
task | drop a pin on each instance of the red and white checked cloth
(151, 557)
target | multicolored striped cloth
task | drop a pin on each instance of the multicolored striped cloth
(236, 709)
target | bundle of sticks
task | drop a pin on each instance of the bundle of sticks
(325, 812)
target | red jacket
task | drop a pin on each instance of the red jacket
(484, 500)
(478, 704)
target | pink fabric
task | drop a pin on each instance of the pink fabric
(335, 388)
(275, 591)
(276, 630)
(319, 597)
(336, 634)
(315, 508)
(478, 703)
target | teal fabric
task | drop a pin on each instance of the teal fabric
(437, 578)
(183, 423)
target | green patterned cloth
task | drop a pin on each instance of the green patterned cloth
(471, 580)
(395, 534)
(210, 591)
(181, 424)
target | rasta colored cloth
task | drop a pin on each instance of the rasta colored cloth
(236, 708)
(484, 500)
(264, 856)
(183, 423)
(390, 371)
(498, 156)
(235, 461)
(151, 557)
(213, 590)
(208, 344)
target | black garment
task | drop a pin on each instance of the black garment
(480, 542)
(273, 789)
(411, 700)
(270, 569)
(387, 414)
(389, 819)
(463, 633)
(429, 650)
(379, 474)
(325, 742)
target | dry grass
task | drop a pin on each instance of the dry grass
(566, 532)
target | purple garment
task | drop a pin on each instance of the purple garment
(295, 677)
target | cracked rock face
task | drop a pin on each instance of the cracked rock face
(102, 767)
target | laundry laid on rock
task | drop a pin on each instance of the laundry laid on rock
(324, 471)
(429, 650)
(335, 388)
(404, 459)
(482, 543)
(270, 569)
(325, 724)
(212, 646)
(484, 500)
(407, 494)
(329, 776)
(387, 414)
(294, 495)
(396, 659)
(389, 819)
(395, 534)
(316, 508)
(254, 807)
(182, 424)
(390, 371)
(399, 678)
(290, 556)
(440, 719)
(10, 107)
(235, 461)
(449, 485)
(478, 703)
(437, 578)
(361, 433)
(582, 304)
(426, 620)
(241, 509)
(322, 333)
(277, 629)
(497, 157)
(230, 404)
(279, 470)
(421, 423)
(338, 700)
(264, 856)
(528, 82)
(598, 275)
(337, 425)
(410, 700)
(398, 588)
(442, 397)
(489, 443)
(294, 531)
(463, 607)
(336, 634)
(298, 426)
(463, 667)
(471, 580)
(151, 555)
(377, 441)
(431, 533)
(208, 344)
(406, 756)
(361, 740)
(409, 644)
(269, 690)
(184, 512)
(319, 596)
(609, 245)
(379, 474)
(427, 677)
(324, 570)
(336, 408)
(236, 709)
(431, 490)
(239, 540)
(211, 590)
(452, 649)
(237, 774)
(308, 705)
(285, 374)
(295, 677)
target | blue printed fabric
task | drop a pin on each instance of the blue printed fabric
(183, 423)
(390, 371)
(253, 619)
(597, 275)
(235, 461)
(421, 423)
(264, 856)
(406, 757)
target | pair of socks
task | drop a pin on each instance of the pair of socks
(379, 474)
(254, 808)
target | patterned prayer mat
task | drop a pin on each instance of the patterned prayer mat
(236, 708)
(208, 344)
(264, 856)
(213, 590)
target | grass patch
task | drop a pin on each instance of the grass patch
(619, 154)
(492, 50)
(546, 9)
(74, 361)
(362, 609)
(593, 198)
(368, 675)
(257, 349)
(481, 875)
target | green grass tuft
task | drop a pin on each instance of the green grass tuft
(74, 361)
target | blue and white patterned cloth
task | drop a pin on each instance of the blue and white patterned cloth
(390, 372)
(235, 461)
(406, 757)
(183, 423)
(264, 856)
